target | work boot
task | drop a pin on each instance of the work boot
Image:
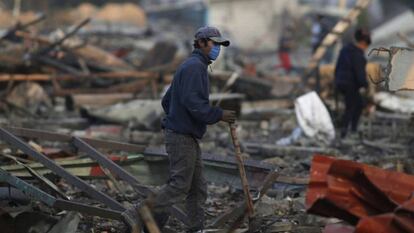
(131, 217)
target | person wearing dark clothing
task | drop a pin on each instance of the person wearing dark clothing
(186, 102)
(350, 79)
(188, 112)
(319, 30)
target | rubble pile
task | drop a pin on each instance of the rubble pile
(81, 139)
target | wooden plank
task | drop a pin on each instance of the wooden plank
(49, 77)
(89, 53)
(130, 87)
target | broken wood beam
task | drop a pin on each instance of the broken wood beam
(78, 77)
(29, 36)
(92, 55)
(11, 32)
(239, 212)
(24, 77)
(130, 87)
(65, 37)
(57, 64)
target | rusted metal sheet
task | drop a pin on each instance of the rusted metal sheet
(400, 221)
(360, 194)
(338, 228)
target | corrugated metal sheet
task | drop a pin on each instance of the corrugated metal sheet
(401, 220)
(360, 194)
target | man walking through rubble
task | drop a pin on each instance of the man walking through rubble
(188, 112)
(350, 79)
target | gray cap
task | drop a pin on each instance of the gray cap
(213, 34)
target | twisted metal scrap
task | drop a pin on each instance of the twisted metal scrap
(391, 52)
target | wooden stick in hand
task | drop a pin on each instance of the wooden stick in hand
(240, 164)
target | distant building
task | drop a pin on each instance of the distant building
(191, 13)
(250, 24)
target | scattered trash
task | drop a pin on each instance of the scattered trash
(314, 118)
(297, 132)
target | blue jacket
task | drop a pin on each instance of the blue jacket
(350, 67)
(186, 103)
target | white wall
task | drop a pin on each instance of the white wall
(250, 23)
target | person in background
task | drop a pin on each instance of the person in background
(319, 31)
(351, 80)
(285, 47)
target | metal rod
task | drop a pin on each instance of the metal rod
(73, 180)
(124, 175)
(35, 193)
(89, 210)
(111, 165)
(51, 136)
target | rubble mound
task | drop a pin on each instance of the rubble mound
(127, 12)
(6, 18)
(86, 10)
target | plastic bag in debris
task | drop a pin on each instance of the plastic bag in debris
(314, 118)
(292, 138)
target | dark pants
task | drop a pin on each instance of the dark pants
(186, 181)
(353, 108)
